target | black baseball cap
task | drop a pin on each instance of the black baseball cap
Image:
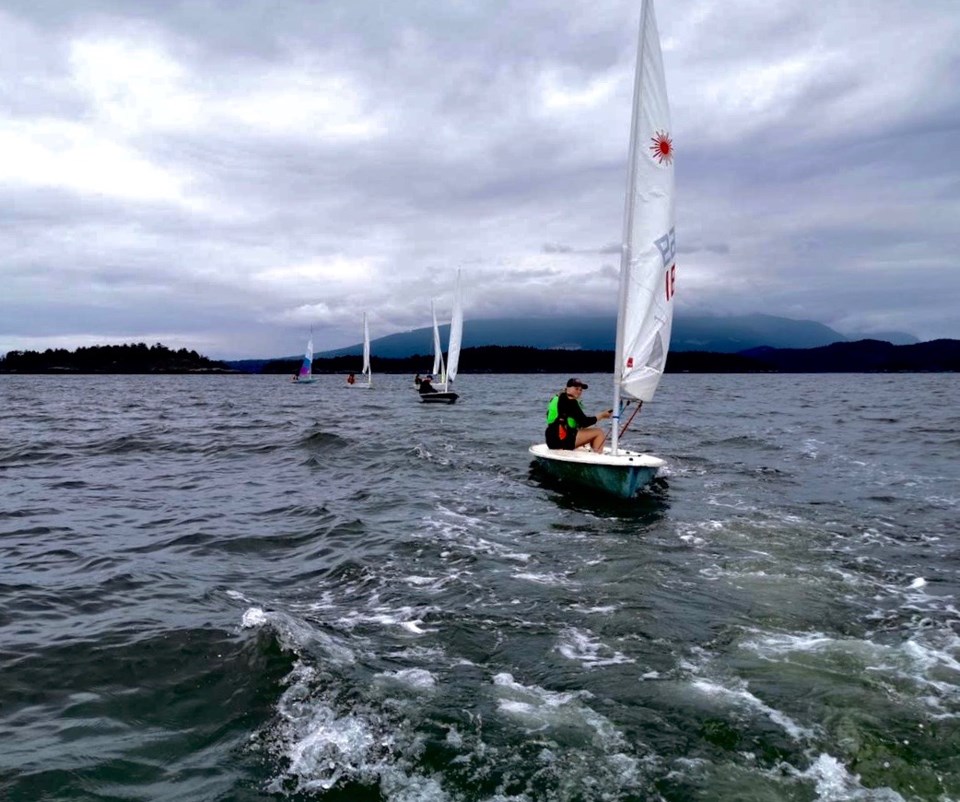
(576, 383)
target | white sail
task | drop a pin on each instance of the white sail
(648, 259)
(437, 348)
(366, 349)
(456, 334)
(647, 272)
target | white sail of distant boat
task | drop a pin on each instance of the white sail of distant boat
(366, 351)
(437, 347)
(647, 279)
(456, 335)
(305, 376)
(444, 375)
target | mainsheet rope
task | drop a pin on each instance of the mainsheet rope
(632, 416)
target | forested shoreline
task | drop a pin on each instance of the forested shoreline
(864, 356)
(129, 358)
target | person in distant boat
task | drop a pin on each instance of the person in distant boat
(426, 386)
(350, 379)
(417, 380)
(568, 426)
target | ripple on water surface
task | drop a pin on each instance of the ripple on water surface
(230, 588)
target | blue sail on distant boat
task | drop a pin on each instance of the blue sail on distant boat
(305, 376)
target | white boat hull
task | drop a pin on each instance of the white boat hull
(622, 474)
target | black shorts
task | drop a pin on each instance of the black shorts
(558, 435)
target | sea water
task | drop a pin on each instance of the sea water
(237, 588)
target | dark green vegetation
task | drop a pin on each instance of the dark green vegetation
(865, 356)
(132, 358)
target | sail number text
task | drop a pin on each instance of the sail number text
(670, 281)
(667, 245)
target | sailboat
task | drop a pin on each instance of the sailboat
(366, 352)
(366, 359)
(305, 376)
(446, 374)
(647, 282)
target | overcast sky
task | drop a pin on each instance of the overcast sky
(226, 174)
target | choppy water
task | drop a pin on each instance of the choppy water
(232, 588)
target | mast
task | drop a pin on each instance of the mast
(626, 248)
(366, 350)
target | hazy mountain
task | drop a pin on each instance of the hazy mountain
(725, 335)
(892, 337)
(864, 356)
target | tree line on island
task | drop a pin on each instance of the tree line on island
(864, 356)
(129, 358)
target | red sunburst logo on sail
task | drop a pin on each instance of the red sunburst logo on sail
(662, 147)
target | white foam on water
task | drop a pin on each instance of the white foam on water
(834, 783)
(328, 601)
(584, 746)
(919, 582)
(323, 747)
(539, 709)
(254, 617)
(406, 618)
(433, 584)
(418, 679)
(743, 699)
(419, 654)
(546, 578)
(398, 786)
(472, 535)
(501, 550)
(297, 636)
(697, 533)
(769, 645)
(927, 660)
(602, 609)
(325, 742)
(422, 581)
(587, 649)
(423, 453)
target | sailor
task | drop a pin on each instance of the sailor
(350, 379)
(568, 426)
(426, 386)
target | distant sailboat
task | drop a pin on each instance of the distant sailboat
(366, 352)
(448, 374)
(305, 376)
(351, 381)
(647, 275)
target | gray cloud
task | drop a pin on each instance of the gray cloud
(227, 181)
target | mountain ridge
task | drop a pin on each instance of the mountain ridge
(863, 356)
(717, 334)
